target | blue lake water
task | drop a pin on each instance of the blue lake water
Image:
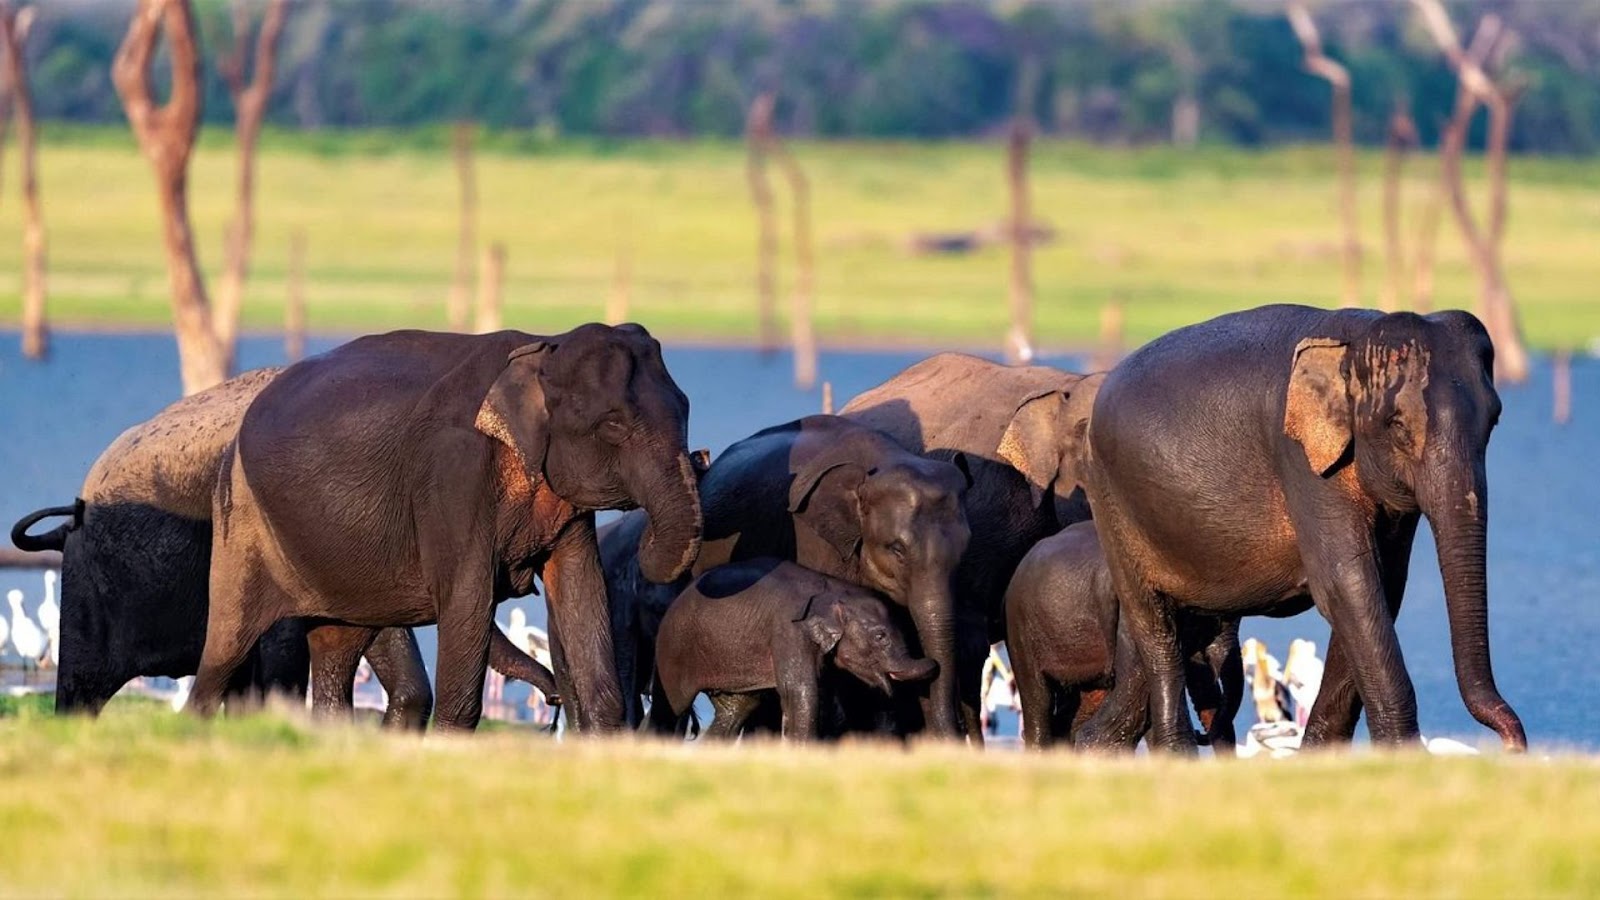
(1544, 566)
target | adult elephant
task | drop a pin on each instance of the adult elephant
(136, 553)
(1020, 430)
(1283, 456)
(414, 477)
(847, 501)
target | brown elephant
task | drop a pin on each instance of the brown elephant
(136, 557)
(414, 477)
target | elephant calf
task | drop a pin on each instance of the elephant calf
(1067, 648)
(764, 625)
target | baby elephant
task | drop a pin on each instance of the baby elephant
(757, 626)
(1067, 650)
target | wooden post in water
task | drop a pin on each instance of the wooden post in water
(758, 128)
(14, 28)
(802, 309)
(1561, 383)
(458, 307)
(294, 310)
(491, 289)
(827, 398)
(1111, 343)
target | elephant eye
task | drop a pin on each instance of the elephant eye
(898, 548)
(881, 636)
(613, 430)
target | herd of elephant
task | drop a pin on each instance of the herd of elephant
(838, 574)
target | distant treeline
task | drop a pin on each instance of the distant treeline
(1117, 70)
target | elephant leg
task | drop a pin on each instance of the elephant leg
(1151, 626)
(1347, 585)
(1204, 694)
(335, 653)
(1227, 669)
(1337, 711)
(972, 649)
(1063, 712)
(576, 590)
(464, 625)
(513, 662)
(397, 662)
(245, 602)
(729, 713)
(1121, 716)
(799, 711)
(1036, 696)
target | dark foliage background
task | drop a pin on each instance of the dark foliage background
(1108, 71)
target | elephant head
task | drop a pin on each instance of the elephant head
(856, 632)
(595, 414)
(1047, 441)
(903, 526)
(1409, 402)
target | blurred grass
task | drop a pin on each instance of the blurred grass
(1177, 235)
(146, 803)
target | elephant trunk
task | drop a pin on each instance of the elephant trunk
(671, 501)
(932, 610)
(1457, 510)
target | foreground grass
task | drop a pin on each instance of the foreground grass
(143, 803)
(1176, 235)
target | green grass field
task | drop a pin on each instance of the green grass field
(146, 803)
(1177, 235)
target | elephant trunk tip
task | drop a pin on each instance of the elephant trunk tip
(1505, 723)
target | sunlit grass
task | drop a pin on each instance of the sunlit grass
(1176, 236)
(148, 802)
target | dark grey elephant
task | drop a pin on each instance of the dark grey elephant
(413, 477)
(1312, 442)
(135, 563)
(847, 501)
(762, 626)
(1021, 431)
(1068, 649)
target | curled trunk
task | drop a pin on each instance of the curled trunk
(671, 539)
(1457, 510)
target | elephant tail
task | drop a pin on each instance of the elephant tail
(55, 538)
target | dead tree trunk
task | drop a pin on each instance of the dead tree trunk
(14, 28)
(758, 131)
(1402, 136)
(250, 106)
(1019, 339)
(1496, 306)
(491, 289)
(458, 307)
(166, 136)
(1561, 387)
(1483, 41)
(1338, 77)
(802, 309)
(621, 295)
(294, 312)
(1109, 351)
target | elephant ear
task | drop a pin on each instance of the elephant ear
(835, 514)
(1031, 442)
(513, 411)
(1317, 413)
(822, 624)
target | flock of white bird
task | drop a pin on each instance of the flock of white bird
(37, 643)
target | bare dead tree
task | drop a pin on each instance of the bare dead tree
(621, 296)
(14, 28)
(803, 333)
(1483, 42)
(1561, 387)
(1402, 136)
(1338, 78)
(250, 107)
(166, 136)
(1019, 339)
(757, 132)
(294, 311)
(491, 289)
(1496, 305)
(459, 305)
